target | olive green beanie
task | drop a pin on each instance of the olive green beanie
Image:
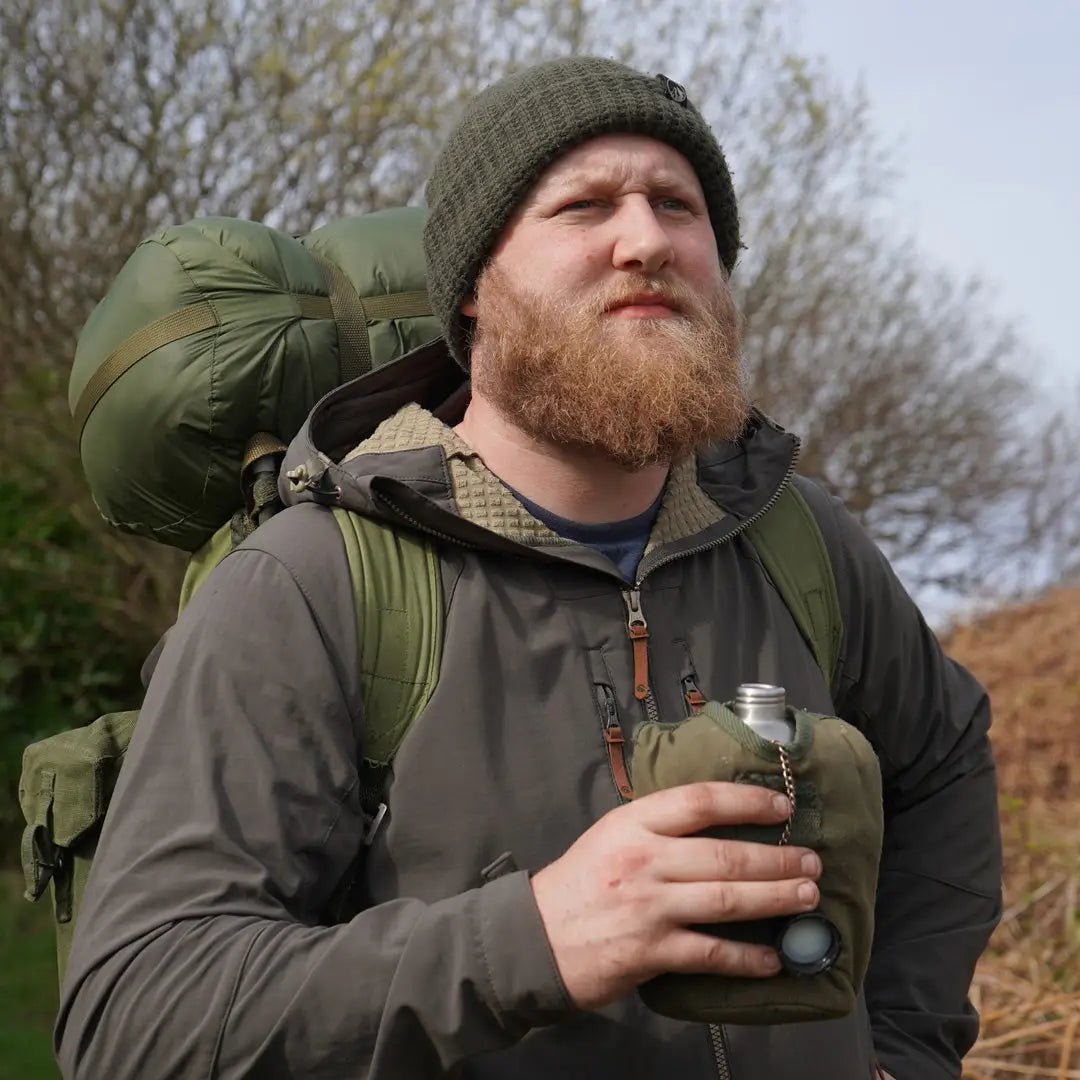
(515, 128)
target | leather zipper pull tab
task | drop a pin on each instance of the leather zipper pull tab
(694, 698)
(613, 736)
(639, 636)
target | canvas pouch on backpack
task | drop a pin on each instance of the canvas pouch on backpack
(66, 784)
(838, 813)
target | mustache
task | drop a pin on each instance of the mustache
(673, 294)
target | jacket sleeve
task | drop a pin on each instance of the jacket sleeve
(199, 950)
(939, 888)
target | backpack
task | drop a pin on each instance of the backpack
(68, 779)
(201, 362)
(205, 356)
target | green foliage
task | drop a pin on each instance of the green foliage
(61, 662)
(28, 995)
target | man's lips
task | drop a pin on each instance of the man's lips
(643, 306)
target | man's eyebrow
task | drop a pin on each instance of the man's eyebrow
(669, 183)
(662, 182)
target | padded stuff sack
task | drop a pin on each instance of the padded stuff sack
(838, 813)
(68, 779)
(221, 329)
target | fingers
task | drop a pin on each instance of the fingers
(699, 858)
(690, 808)
(691, 953)
(734, 901)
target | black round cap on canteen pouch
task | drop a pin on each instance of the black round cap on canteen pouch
(808, 944)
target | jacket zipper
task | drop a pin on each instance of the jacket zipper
(719, 1049)
(740, 528)
(614, 740)
(692, 695)
(638, 629)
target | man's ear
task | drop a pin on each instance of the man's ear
(468, 307)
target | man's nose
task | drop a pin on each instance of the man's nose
(641, 244)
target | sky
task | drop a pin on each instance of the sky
(980, 103)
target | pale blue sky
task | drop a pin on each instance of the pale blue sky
(981, 101)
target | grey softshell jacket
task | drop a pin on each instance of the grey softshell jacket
(203, 949)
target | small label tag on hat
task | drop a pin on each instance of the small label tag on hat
(673, 90)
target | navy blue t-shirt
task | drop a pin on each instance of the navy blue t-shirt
(623, 542)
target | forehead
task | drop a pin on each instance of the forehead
(618, 159)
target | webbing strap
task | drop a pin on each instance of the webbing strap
(163, 331)
(402, 305)
(169, 328)
(792, 549)
(354, 349)
(397, 589)
(314, 307)
(259, 445)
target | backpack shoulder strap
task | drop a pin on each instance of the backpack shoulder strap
(397, 590)
(789, 542)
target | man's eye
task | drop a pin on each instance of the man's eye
(672, 203)
(577, 204)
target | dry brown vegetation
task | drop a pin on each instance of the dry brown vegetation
(1027, 987)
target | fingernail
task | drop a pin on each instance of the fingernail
(807, 893)
(771, 963)
(780, 804)
(811, 864)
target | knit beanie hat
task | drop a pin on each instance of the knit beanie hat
(515, 128)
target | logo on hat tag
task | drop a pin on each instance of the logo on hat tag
(673, 90)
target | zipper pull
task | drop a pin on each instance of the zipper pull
(639, 636)
(693, 697)
(613, 736)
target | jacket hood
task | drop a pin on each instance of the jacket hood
(383, 446)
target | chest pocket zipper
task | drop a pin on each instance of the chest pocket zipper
(614, 740)
(693, 698)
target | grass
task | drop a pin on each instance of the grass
(28, 991)
(1027, 987)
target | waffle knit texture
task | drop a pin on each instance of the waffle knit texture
(481, 497)
(512, 131)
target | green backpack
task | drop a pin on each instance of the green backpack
(67, 780)
(191, 375)
(200, 363)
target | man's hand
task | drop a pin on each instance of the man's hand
(616, 906)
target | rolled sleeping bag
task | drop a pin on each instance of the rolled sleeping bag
(220, 329)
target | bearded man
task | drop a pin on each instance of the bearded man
(605, 471)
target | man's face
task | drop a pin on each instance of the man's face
(603, 318)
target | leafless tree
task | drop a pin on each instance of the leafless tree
(122, 116)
